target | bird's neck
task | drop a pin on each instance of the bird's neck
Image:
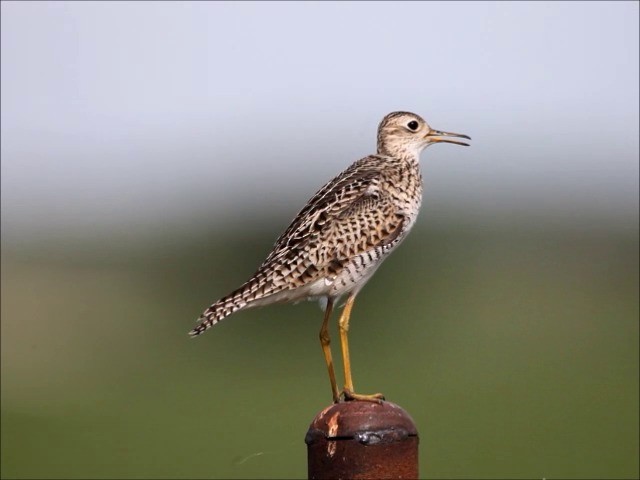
(398, 151)
(410, 157)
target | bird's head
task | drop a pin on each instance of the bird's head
(403, 134)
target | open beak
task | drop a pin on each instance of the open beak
(435, 136)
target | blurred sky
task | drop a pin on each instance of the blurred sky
(122, 113)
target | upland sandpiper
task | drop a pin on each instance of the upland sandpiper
(342, 235)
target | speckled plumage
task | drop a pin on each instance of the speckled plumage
(346, 230)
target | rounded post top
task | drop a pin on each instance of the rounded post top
(366, 422)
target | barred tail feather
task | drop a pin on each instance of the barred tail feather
(218, 311)
(249, 294)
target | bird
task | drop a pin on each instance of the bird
(337, 241)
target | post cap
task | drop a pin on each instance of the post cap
(367, 422)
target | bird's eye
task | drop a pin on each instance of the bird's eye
(413, 125)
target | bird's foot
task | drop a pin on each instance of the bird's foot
(348, 395)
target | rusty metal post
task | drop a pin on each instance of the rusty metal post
(362, 440)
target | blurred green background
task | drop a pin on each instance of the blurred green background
(514, 348)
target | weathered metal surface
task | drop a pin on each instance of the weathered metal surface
(362, 440)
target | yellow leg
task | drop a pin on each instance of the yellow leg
(348, 392)
(325, 341)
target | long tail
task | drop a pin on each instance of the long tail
(218, 311)
(256, 288)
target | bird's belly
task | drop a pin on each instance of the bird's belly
(358, 272)
(352, 279)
